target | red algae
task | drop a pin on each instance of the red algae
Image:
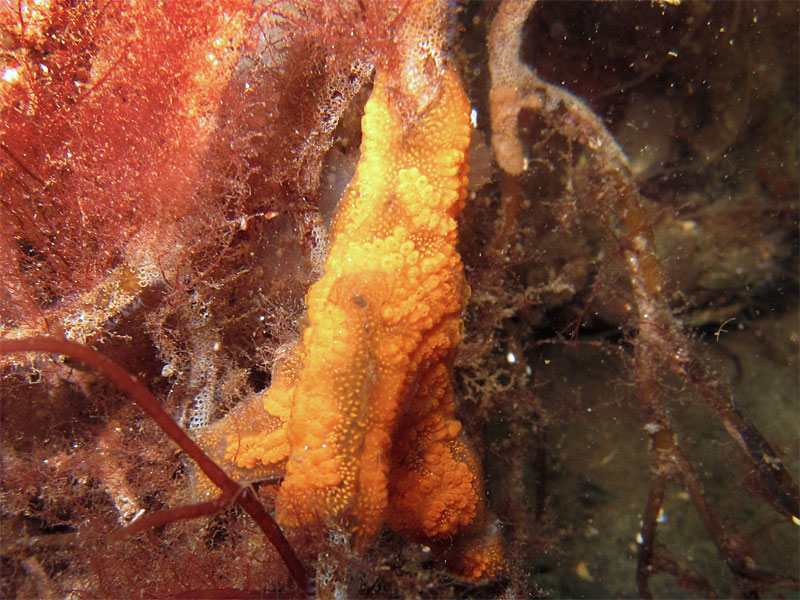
(104, 131)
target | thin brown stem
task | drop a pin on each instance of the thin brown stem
(164, 517)
(687, 578)
(644, 563)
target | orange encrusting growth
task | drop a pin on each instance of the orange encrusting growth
(362, 413)
(478, 556)
(383, 318)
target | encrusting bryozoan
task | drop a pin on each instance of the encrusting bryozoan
(361, 414)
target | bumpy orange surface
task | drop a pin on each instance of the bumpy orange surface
(479, 554)
(361, 415)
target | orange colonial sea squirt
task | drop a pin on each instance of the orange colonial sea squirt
(361, 415)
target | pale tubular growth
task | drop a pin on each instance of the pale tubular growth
(423, 61)
(515, 86)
